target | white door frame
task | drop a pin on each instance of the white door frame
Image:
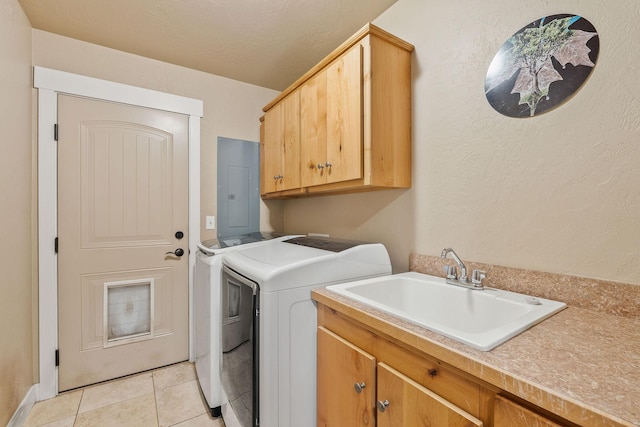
(49, 84)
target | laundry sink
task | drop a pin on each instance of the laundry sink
(482, 318)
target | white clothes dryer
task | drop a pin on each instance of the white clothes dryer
(269, 368)
(207, 317)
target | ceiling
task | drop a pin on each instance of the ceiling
(268, 43)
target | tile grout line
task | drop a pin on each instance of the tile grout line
(75, 417)
(155, 397)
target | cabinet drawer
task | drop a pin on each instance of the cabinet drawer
(509, 414)
(403, 402)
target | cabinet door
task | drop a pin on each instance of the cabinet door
(272, 130)
(291, 142)
(313, 131)
(342, 366)
(403, 402)
(282, 145)
(508, 414)
(344, 117)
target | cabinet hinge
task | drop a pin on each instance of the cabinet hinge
(55, 132)
(55, 245)
(57, 357)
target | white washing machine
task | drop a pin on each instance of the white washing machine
(207, 310)
(269, 368)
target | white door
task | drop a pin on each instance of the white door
(122, 206)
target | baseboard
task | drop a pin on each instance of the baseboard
(21, 414)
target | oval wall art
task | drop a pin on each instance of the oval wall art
(541, 66)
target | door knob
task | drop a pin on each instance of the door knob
(178, 252)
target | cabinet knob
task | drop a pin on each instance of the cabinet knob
(320, 166)
(328, 164)
(359, 387)
(277, 177)
(382, 405)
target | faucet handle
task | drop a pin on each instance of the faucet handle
(477, 276)
(452, 271)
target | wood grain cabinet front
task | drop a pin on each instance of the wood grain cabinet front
(346, 383)
(331, 123)
(354, 120)
(280, 132)
(508, 414)
(354, 389)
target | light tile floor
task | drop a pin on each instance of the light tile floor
(164, 397)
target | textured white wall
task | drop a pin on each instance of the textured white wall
(16, 361)
(557, 193)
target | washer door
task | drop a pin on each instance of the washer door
(240, 326)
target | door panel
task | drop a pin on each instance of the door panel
(122, 196)
(125, 179)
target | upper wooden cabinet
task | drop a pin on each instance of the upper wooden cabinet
(353, 121)
(280, 135)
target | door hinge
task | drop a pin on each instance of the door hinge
(55, 132)
(57, 357)
(55, 245)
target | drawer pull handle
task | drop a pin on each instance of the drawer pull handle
(382, 405)
(359, 387)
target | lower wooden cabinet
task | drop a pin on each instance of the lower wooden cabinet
(366, 378)
(346, 383)
(354, 389)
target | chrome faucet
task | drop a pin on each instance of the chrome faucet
(463, 269)
(463, 280)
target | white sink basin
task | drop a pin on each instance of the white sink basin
(482, 319)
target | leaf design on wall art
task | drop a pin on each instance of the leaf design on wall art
(537, 56)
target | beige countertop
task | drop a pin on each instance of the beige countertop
(580, 364)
